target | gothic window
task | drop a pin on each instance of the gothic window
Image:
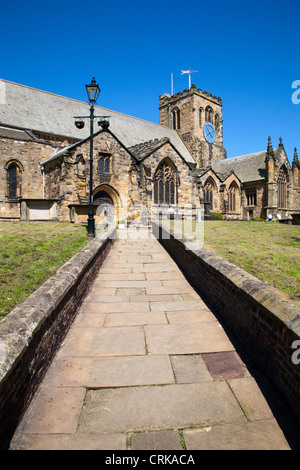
(200, 116)
(251, 196)
(208, 193)
(282, 188)
(164, 184)
(176, 118)
(104, 163)
(232, 198)
(209, 114)
(13, 179)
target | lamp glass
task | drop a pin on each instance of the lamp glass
(93, 91)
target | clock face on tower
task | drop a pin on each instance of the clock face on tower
(209, 132)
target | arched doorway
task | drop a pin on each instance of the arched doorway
(107, 204)
(104, 208)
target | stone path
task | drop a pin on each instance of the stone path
(146, 365)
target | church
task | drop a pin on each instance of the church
(138, 166)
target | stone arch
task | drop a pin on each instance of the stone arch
(104, 196)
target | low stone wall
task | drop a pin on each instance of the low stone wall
(264, 320)
(31, 334)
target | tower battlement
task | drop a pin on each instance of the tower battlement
(197, 116)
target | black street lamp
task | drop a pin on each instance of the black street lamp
(93, 92)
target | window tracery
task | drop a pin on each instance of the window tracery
(164, 184)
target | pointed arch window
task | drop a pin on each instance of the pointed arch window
(176, 118)
(164, 184)
(282, 188)
(209, 114)
(208, 193)
(232, 195)
(13, 179)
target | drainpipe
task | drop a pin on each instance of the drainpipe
(43, 172)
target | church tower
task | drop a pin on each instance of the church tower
(197, 117)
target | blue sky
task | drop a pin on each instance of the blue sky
(247, 52)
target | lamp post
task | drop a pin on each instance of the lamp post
(93, 92)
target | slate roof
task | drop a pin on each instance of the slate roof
(146, 148)
(39, 110)
(16, 134)
(247, 168)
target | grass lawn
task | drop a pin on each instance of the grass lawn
(269, 251)
(31, 252)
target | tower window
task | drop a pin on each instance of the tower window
(176, 118)
(200, 116)
(209, 114)
(217, 122)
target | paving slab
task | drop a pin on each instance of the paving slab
(104, 342)
(258, 435)
(54, 410)
(96, 372)
(114, 307)
(140, 318)
(158, 407)
(225, 365)
(62, 441)
(189, 316)
(157, 440)
(193, 338)
(250, 398)
(190, 369)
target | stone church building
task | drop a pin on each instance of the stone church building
(137, 165)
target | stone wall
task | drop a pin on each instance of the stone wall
(265, 320)
(31, 334)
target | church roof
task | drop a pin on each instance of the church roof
(33, 109)
(247, 168)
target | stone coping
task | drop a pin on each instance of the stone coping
(21, 325)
